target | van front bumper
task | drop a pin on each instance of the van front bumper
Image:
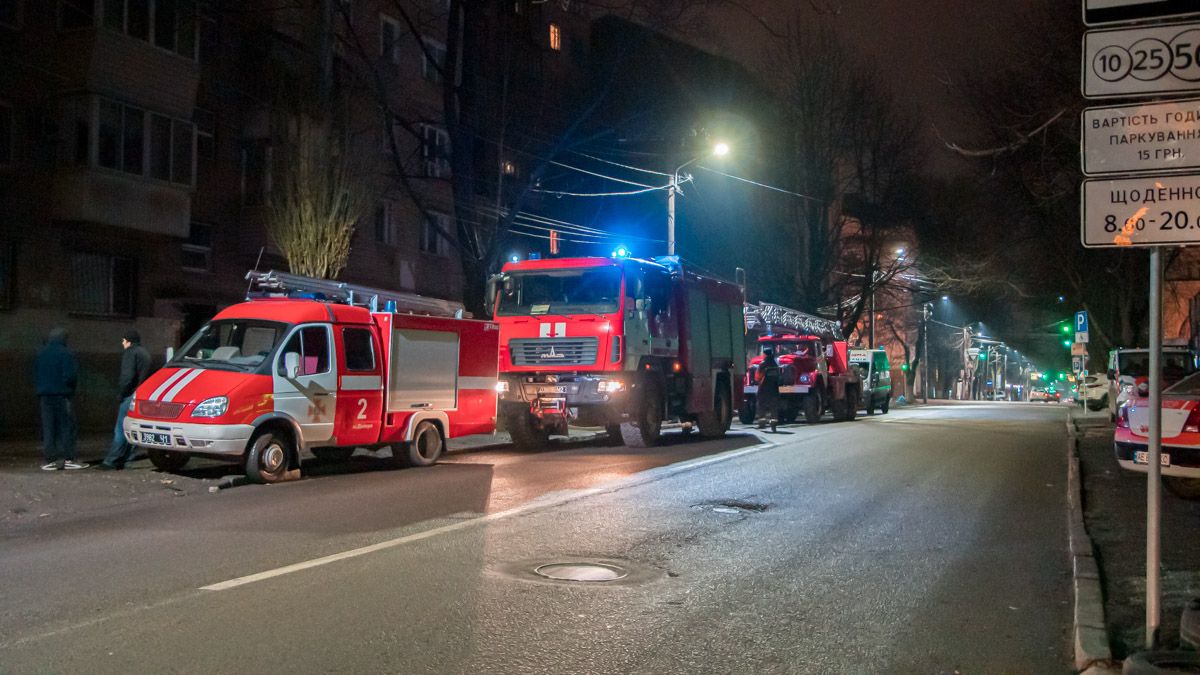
(201, 439)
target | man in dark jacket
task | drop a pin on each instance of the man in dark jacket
(767, 377)
(135, 368)
(55, 374)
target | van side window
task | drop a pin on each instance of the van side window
(312, 344)
(658, 289)
(360, 349)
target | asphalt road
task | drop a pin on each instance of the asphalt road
(928, 540)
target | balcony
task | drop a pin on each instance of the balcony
(100, 195)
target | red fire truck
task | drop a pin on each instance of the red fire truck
(313, 365)
(814, 368)
(618, 342)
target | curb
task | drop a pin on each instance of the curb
(1090, 636)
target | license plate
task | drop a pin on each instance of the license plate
(1143, 457)
(156, 439)
(552, 389)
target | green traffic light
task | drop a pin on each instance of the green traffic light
(1067, 343)
(1066, 328)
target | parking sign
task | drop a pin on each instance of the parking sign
(1081, 326)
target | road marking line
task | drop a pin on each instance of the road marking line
(639, 478)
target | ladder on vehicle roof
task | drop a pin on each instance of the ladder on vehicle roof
(281, 284)
(768, 316)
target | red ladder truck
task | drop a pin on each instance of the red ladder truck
(317, 365)
(814, 368)
(619, 343)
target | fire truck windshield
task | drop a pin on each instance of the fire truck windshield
(236, 344)
(595, 290)
(804, 348)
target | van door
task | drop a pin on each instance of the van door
(360, 386)
(310, 397)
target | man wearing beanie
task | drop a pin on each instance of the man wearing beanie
(55, 374)
(135, 368)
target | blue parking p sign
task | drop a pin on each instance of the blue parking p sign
(1081, 326)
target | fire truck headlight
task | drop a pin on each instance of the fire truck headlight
(610, 386)
(211, 407)
(501, 387)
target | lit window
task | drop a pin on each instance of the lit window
(555, 37)
(389, 38)
(508, 167)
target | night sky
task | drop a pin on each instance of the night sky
(918, 45)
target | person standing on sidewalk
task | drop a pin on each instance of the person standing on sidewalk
(55, 374)
(135, 368)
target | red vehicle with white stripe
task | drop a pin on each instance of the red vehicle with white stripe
(270, 378)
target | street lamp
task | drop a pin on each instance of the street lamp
(718, 150)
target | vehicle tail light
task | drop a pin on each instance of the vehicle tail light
(1142, 387)
(1192, 425)
(1123, 417)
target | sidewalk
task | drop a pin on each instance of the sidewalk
(1114, 512)
(31, 495)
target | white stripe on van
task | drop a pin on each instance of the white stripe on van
(168, 382)
(170, 395)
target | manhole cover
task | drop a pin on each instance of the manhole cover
(580, 572)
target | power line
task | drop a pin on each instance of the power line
(761, 185)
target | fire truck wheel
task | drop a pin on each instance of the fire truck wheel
(746, 414)
(524, 434)
(646, 429)
(424, 449)
(268, 457)
(333, 454)
(714, 423)
(164, 460)
(813, 407)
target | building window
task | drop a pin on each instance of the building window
(6, 134)
(256, 173)
(555, 37)
(74, 14)
(128, 139)
(432, 70)
(197, 250)
(169, 24)
(206, 133)
(389, 38)
(433, 235)
(435, 151)
(386, 230)
(508, 167)
(10, 14)
(103, 284)
(8, 275)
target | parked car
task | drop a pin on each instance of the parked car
(876, 373)
(1093, 391)
(1126, 365)
(1180, 459)
(1039, 394)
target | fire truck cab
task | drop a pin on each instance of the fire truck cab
(814, 367)
(620, 343)
(289, 372)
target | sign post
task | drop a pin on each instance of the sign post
(1081, 326)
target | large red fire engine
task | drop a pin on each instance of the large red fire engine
(622, 343)
(814, 368)
(271, 377)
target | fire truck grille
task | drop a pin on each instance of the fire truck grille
(160, 409)
(554, 351)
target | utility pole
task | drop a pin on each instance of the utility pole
(871, 341)
(671, 212)
(925, 345)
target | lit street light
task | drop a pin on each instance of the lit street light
(719, 150)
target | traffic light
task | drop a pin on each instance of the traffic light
(904, 366)
(1067, 344)
(1066, 328)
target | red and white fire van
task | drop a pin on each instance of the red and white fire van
(274, 376)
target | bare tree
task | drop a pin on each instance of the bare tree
(322, 189)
